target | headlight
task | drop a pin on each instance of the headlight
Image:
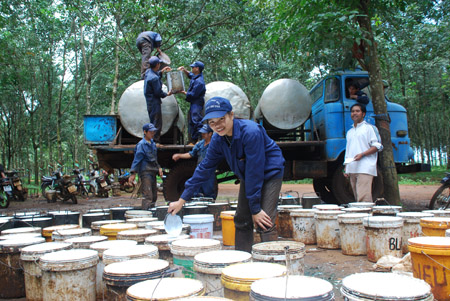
(402, 133)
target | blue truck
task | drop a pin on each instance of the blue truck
(315, 149)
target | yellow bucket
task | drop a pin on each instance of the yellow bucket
(111, 230)
(430, 258)
(228, 229)
(434, 226)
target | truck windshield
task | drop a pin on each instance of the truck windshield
(331, 90)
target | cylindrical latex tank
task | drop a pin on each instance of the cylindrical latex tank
(238, 99)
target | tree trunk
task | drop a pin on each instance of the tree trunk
(116, 70)
(388, 169)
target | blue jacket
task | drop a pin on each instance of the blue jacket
(251, 155)
(145, 157)
(196, 92)
(153, 86)
(199, 151)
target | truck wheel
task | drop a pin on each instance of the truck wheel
(343, 190)
(323, 187)
(173, 184)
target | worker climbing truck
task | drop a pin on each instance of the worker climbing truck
(309, 127)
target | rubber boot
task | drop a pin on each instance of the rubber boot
(269, 236)
(244, 240)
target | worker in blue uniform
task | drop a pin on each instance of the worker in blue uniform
(199, 152)
(254, 158)
(153, 93)
(145, 163)
(146, 42)
(195, 95)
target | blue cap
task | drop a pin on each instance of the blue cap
(205, 129)
(149, 127)
(198, 64)
(217, 107)
(153, 61)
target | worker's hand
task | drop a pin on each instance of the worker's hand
(170, 93)
(131, 179)
(166, 69)
(183, 92)
(175, 157)
(181, 68)
(262, 220)
(358, 157)
(346, 175)
(175, 207)
(354, 96)
(159, 50)
(160, 172)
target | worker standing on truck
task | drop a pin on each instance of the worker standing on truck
(196, 97)
(146, 42)
(153, 93)
(199, 151)
(361, 154)
(145, 163)
(254, 158)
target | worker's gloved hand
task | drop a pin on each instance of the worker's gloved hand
(262, 220)
(175, 207)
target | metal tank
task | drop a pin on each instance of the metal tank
(133, 111)
(285, 104)
(239, 101)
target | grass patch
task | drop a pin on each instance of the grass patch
(424, 178)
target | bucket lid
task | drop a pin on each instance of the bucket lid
(121, 208)
(413, 217)
(165, 289)
(352, 218)
(385, 286)
(108, 244)
(244, 274)
(72, 232)
(113, 229)
(122, 254)
(136, 233)
(438, 213)
(228, 213)
(68, 260)
(435, 222)
(295, 287)
(34, 252)
(386, 209)
(15, 245)
(196, 206)
(383, 222)
(58, 228)
(192, 247)
(163, 240)
(26, 214)
(99, 213)
(326, 207)
(150, 225)
(361, 204)
(37, 219)
(86, 239)
(138, 220)
(97, 224)
(213, 262)
(328, 214)
(138, 213)
(173, 224)
(135, 270)
(198, 218)
(303, 212)
(22, 230)
(64, 212)
(98, 210)
(217, 204)
(289, 207)
(20, 236)
(276, 250)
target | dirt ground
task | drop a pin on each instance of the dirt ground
(330, 265)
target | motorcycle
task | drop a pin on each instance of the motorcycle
(20, 193)
(100, 185)
(6, 192)
(124, 185)
(58, 186)
(81, 184)
(441, 198)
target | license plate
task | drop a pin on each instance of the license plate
(72, 188)
(7, 188)
(103, 184)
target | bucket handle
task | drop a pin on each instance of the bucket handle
(314, 193)
(289, 191)
(429, 257)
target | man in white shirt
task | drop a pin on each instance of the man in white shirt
(363, 144)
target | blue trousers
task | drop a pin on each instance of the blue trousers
(155, 116)
(195, 120)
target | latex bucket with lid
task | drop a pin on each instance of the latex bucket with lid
(383, 236)
(12, 284)
(435, 226)
(62, 235)
(95, 226)
(304, 226)
(284, 223)
(201, 225)
(183, 252)
(21, 230)
(209, 266)
(101, 247)
(430, 257)
(69, 274)
(32, 272)
(386, 210)
(384, 286)
(353, 233)
(138, 235)
(238, 278)
(327, 229)
(120, 254)
(411, 226)
(295, 287)
(228, 227)
(120, 276)
(85, 242)
(141, 221)
(47, 232)
(111, 230)
(163, 243)
(215, 209)
(281, 252)
(137, 214)
(165, 289)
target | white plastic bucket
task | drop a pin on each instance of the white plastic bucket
(165, 289)
(280, 252)
(324, 207)
(295, 287)
(304, 226)
(384, 286)
(33, 274)
(201, 225)
(353, 233)
(162, 242)
(386, 210)
(69, 274)
(85, 242)
(383, 236)
(361, 205)
(411, 226)
(62, 235)
(119, 254)
(327, 229)
(209, 266)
